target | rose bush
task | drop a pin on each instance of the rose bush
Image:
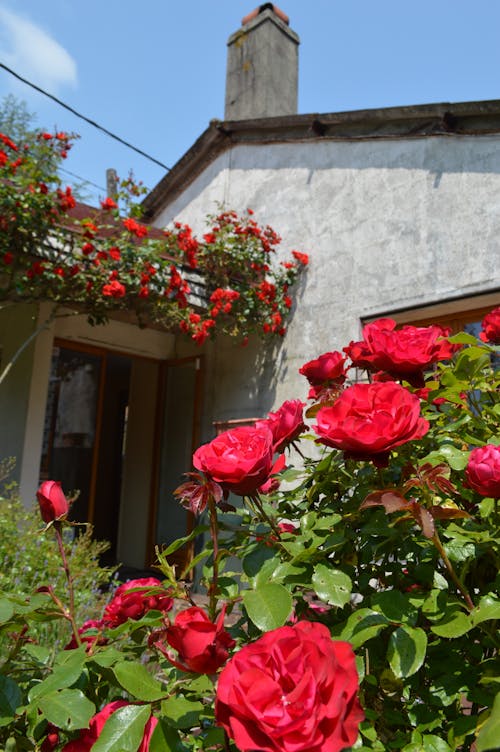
(292, 690)
(349, 603)
(96, 261)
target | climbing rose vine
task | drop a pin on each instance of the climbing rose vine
(99, 262)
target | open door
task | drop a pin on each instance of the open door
(179, 436)
(84, 436)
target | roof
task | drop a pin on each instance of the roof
(416, 121)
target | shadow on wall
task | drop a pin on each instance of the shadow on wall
(243, 380)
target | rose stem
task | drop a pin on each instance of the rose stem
(214, 533)
(256, 500)
(71, 614)
(468, 600)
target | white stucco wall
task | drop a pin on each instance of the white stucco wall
(388, 224)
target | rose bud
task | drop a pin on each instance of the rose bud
(52, 501)
(483, 470)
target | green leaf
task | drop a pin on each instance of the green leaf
(181, 712)
(136, 679)
(395, 605)
(10, 699)
(63, 676)
(106, 657)
(458, 551)
(433, 743)
(179, 542)
(456, 458)
(269, 606)
(331, 585)
(165, 739)
(489, 735)
(255, 560)
(406, 650)
(68, 709)
(124, 729)
(291, 573)
(362, 625)
(462, 338)
(39, 652)
(6, 610)
(455, 623)
(488, 608)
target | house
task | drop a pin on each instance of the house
(399, 210)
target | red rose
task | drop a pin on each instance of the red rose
(140, 231)
(240, 459)
(404, 353)
(324, 372)
(88, 737)
(114, 289)
(292, 690)
(107, 204)
(302, 258)
(273, 482)
(202, 646)
(52, 501)
(286, 424)
(90, 634)
(135, 598)
(368, 420)
(483, 470)
(491, 327)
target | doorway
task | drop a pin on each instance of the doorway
(85, 434)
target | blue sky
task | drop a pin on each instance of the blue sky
(154, 72)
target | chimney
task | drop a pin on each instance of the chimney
(262, 66)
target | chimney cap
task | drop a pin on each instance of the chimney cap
(266, 6)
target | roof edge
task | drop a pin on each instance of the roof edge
(412, 121)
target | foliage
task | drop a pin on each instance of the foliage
(105, 261)
(29, 560)
(397, 557)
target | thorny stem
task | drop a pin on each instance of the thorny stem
(468, 600)
(69, 614)
(214, 533)
(256, 500)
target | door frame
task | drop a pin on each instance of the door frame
(186, 554)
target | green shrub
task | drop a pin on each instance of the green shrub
(29, 559)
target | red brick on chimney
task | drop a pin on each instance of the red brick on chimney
(266, 6)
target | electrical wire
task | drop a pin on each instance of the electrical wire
(83, 180)
(83, 117)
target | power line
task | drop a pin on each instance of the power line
(83, 117)
(84, 180)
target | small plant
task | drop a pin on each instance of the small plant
(29, 561)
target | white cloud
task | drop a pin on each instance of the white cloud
(34, 54)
